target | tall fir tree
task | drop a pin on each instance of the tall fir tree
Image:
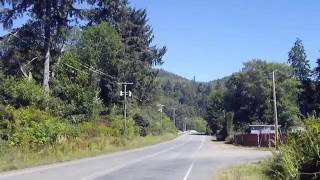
(299, 62)
(302, 72)
(140, 54)
(317, 92)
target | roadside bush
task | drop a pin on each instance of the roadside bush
(313, 122)
(142, 123)
(6, 88)
(168, 126)
(93, 129)
(32, 127)
(299, 158)
(5, 123)
(29, 93)
(24, 92)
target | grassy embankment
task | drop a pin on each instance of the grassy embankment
(243, 172)
(14, 158)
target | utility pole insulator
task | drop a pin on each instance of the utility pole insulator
(125, 93)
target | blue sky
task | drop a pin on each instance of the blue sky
(211, 39)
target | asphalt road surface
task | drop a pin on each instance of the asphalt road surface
(189, 157)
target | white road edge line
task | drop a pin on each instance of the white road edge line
(73, 162)
(194, 160)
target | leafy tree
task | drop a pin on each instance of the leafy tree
(215, 109)
(248, 94)
(89, 70)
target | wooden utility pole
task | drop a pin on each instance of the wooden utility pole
(174, 116)
(161, 110)
(275, 110)
(125, 93)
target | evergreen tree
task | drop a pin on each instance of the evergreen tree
(137, 36)
(298, 61)
(317, 91)
(301, 71)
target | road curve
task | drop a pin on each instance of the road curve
(189, 157)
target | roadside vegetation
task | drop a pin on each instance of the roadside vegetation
(60, 97)
(243, 172)
(299, 157)
(59, 93)
(245, 98)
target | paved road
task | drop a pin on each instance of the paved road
(189, 157)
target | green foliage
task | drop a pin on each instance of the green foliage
(75, 89)
(299, 157)
(215, 110)
(28, 93)
(6, 119)
(31, 128)
(188, 97)
(168, 126)
(94, 129)
(6, 88)
(298, 61)
(248, 94)
(312, 122)
(198, 124)
(25, 92)
(254, 171)
(142, 123)
(227, 130)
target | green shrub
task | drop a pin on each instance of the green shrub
(142, 123)
(29, 93)
(168, 126)
(6, 88)
(5, 123)
(117, 125)
(32, 127)
(92, 129)
(24, 92)
(313, 122)
(300, 155)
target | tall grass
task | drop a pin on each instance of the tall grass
(243, 172)
(12, 158)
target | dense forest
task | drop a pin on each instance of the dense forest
(186, 99)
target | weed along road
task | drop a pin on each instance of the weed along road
(188, 157)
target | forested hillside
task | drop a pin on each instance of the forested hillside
(187, 97)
